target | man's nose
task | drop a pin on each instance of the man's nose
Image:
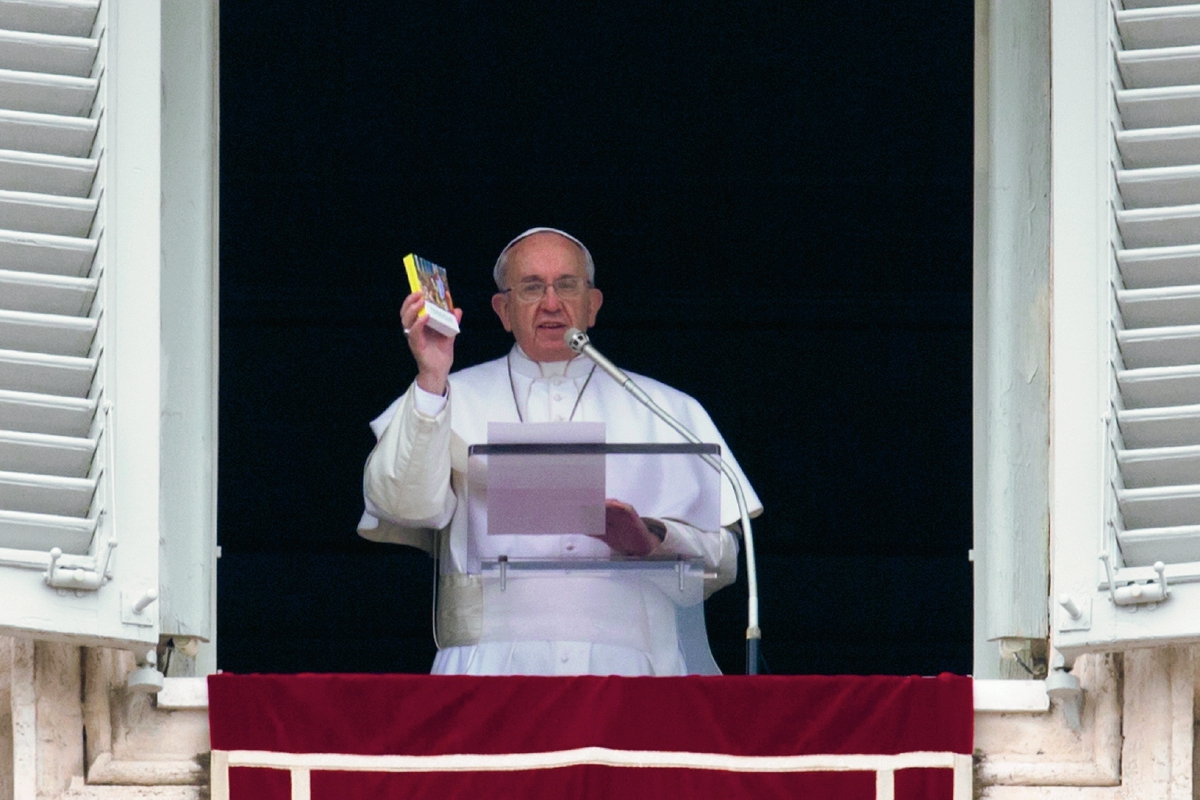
(550, 300)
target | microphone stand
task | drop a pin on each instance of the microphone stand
(578, 341)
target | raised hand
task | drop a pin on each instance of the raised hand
(433, 351)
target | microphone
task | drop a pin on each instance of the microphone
(579, 343)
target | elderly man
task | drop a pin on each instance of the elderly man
(416, 490)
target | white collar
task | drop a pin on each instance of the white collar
(527, 368)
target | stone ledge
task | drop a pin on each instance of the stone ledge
(179, 694)
(107, 771)
(79, 790)
(1013, 697)
(1016, 745)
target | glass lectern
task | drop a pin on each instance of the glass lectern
(537, 514)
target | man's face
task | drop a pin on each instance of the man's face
(539, 327)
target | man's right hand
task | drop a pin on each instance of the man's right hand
(433, 351)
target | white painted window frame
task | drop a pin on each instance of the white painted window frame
(1081, 222)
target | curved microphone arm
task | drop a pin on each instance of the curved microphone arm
(578, 341)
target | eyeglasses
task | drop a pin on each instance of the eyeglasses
(566, 288)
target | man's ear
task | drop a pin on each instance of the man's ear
(595, 300)
(500, 306)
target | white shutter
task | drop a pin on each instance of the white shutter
(1126, 325)
(79, 319)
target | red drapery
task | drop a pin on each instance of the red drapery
(426, 715)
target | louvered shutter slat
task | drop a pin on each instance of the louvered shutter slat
(46, 133)
(46, 174)
(1170, 26)
(47, 94)
(46, 213)
(1154, 267)
(45, 494)
(1160, 226)
(46, 254)
(47, 333)
(1151, 188)
(1155, 307)
(1159, 147)
(49, 294)
(49, 53)
(1160, 466)
(1153, 347)
(1160, 427)
(1160, 506)
(42, 373)
(1162, 107)
(68, 456)
(1130, 4)
(63, 17)
(25, 531)
(1158, 387)
(46, 413)
(1177, 545)
(1174, 66)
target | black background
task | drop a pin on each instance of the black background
(778, 200)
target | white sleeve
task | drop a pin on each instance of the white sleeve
(719, 549)
(428, 403)
(407, 476)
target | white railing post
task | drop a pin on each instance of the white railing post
(964, 777)
(301, 784)
(218, 767)
(885, 784)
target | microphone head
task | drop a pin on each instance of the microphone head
(576, 339)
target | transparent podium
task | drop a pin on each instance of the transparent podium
(537, 541)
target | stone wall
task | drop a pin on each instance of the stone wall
(1136, 738)
(73, 729)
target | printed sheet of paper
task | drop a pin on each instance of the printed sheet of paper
(546, 494)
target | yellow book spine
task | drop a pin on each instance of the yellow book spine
(414, 282)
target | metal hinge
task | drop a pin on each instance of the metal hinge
(80, 579)
(1137, 593)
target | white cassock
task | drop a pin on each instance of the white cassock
(416, 491)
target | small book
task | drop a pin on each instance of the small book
(430, 280)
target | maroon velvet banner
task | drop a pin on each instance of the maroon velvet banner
(427, 715)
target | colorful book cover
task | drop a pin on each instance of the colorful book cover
(430, 280)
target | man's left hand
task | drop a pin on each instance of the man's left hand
(627, 533)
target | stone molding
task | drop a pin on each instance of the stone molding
(1040, 750)
(1137, 739)
(130, 740)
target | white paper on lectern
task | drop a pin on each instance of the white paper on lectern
(541, 494)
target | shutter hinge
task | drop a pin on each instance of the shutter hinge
(1135, 593)
(79, 579)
